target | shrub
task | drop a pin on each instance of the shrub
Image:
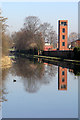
(77, 53)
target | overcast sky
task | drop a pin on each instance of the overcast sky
(49, 12)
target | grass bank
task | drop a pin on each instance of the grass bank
(6, 62)
(46, 57)
(58, 59)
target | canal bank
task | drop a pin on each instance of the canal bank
(49, 58)
(60, 55)
(58, 59)
(6, 62)
(74, 66)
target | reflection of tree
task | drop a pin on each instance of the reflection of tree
(33, 73)
(50, 69)
(4, 73)
(3, 91)
(76, 70)
(0, 87)
(26, 68)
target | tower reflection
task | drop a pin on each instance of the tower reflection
(62, 78)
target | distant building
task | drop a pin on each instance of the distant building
(75, 43)
(62, 34)
(62, 78)
(48, 47)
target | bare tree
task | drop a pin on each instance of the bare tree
(52, 36)
(73, 36)
(34, 34)
(44, 29)
(78, 35)
(48, 33)
(29, 37)
(5, 38)
(32, 24)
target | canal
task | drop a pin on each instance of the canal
(36, 88)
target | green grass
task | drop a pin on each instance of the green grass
(12, 57)
(50, 58)
(47, 57)
(11, 49)
(56, 58)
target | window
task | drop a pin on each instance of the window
(63, 30)
(63, 43)
(63, 23)
(63, 86)
(63, 36)
(62, 72)
(62, 79)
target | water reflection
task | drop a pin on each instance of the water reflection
(5, 72)
(55, 93)
(62, 78)
(34, 73)
(3, 92)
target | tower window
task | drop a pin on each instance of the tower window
(62, 79)
(63, 43)
(62, 72)
(63, 36)
(63, 86)
(63, 23)
(63, 30)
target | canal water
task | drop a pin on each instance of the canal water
(40, 89)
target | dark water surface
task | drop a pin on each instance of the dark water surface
(40, 89)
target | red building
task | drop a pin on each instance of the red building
(62, 78)
(48, 47)
(62, 34)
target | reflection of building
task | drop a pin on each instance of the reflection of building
(71, 70)
(63, 31)
(62, 78)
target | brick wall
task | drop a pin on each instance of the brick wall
(62, 54)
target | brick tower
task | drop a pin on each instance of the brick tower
(62, 78)
(62, 34)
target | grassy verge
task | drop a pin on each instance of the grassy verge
(56, 58)
(49, 58)
(5, 62)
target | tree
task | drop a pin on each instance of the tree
(33, 35)
(38, 38)
(4, 37)
(73, 36)
(25, 40)
(29, 37)
(32, 24)
(78, 35)
(48, 33)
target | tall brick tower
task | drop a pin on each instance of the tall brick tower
(62, 34)
(62, 78)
